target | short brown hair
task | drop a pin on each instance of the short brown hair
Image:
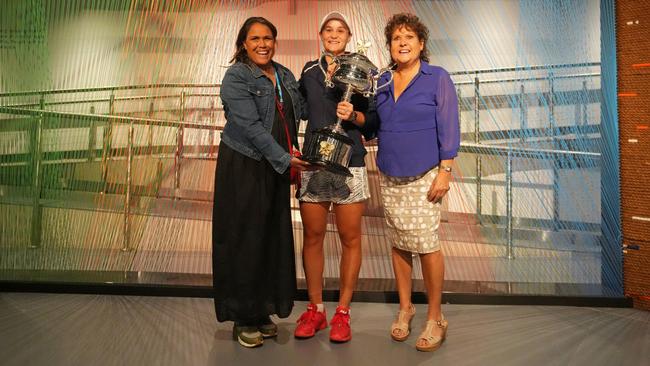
(412, 23)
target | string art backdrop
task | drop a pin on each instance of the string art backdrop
(110, 122)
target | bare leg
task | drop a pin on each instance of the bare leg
(314, 222)
(348, 223)
(433, 271)
(403, 268)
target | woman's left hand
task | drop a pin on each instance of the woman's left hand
(344, 110)
(439, 187)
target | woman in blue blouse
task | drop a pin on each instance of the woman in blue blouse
(419, 136)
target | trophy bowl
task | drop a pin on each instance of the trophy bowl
(356, 70)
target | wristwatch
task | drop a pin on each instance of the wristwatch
(353, 117)
(445, 168)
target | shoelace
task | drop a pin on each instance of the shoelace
(340, 319)
(308, 316)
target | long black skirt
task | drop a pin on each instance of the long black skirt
(253, 265)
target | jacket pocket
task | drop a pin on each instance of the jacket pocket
(263, 97)
(258, 91)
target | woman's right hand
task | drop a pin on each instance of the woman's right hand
(301, 164)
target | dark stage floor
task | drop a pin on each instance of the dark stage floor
(66, 329)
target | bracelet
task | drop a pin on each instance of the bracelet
(354, 117)
(445, 168)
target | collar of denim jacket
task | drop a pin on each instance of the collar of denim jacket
(257, 72)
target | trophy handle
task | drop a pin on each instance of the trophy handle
(375, 79)
(328, 78)
(388, 69)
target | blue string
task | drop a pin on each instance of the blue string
(277, 85)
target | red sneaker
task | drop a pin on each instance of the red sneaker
(340, 323)
(310, 322)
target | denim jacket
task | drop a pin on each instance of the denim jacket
(249, 104)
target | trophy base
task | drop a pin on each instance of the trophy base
(328, 165)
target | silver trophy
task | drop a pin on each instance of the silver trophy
(330, 147)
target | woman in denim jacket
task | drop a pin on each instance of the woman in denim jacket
(252, 239)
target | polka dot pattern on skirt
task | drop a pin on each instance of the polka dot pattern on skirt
(412, 221)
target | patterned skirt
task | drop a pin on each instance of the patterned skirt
(323, 186)
(412, 221)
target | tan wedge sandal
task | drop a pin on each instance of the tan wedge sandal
(402, 324)
(433, 342)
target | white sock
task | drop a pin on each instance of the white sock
(320, 307)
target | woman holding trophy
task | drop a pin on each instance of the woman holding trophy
(321, 190)
(252, 239)
(419, 136)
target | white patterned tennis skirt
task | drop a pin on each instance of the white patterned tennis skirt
(412, 221)
(323, 186)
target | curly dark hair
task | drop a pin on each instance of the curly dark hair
(240, 52)
(412, 23)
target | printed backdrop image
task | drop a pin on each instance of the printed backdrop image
(110, 122)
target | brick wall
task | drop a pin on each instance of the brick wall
(633, 60)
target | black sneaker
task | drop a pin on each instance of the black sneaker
(267, 327)
(247, 336)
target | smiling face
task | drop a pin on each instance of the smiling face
(335, 36)
(405, 46)
(260, 44)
